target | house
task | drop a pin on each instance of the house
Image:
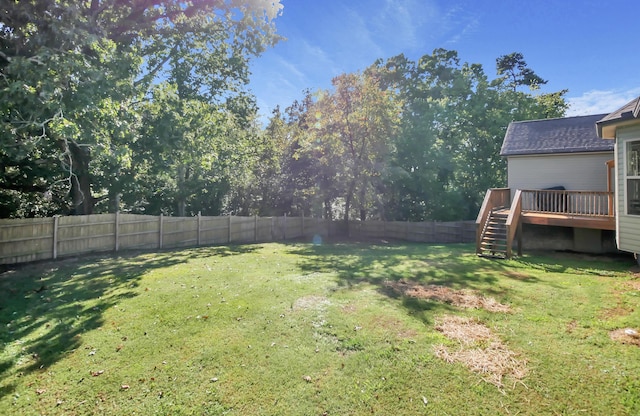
(623, 127)
(556, 152)
(560, 189)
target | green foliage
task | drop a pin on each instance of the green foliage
(75, 78)
(142, 106)
(515, 70)
(403, 140)
(453, 124)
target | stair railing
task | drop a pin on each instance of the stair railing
(514, 226)
(494, 198)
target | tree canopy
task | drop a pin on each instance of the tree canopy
(142, 106)
(75, 77)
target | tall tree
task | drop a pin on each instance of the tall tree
(516, 72)
(454, 120)
(352, 139)
(67, 67)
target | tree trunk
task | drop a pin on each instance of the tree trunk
(363, 211)
(80, 180)
(181, 203)
(328, 215)
(347, 205)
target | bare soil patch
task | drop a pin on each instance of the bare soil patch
(460, 298)
(396, 326)
(634, 284)
(517, 275)
(626, 336)
(480, 350)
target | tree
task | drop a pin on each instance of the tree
(67, 68)
(454, 120)
(351, 139)
(514, 68)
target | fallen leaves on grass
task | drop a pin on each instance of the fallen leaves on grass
(480, 350)
(460, 298)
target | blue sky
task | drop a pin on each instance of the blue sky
(586, 46)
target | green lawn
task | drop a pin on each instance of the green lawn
(301, 329)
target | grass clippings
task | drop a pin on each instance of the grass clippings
(480, 350)
(627, 336)
(459, 298)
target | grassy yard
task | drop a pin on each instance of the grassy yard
(301, 329)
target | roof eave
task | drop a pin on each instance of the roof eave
(607, 129)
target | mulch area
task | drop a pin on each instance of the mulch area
(460, 298)
(480, 350)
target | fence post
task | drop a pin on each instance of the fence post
(55, 236)
(198, 221)
(117, 230)
(272, 226)
(229, 233)
(255, 228)
(284, 227)
(161, 223)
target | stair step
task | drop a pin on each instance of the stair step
(496, 242)
(494, 247)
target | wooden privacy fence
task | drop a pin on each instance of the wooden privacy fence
(32, 239)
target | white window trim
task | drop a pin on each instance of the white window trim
(627, 177)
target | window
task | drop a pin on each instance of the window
(633, 177)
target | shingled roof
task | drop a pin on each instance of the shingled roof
(629, 111)
(556, 135)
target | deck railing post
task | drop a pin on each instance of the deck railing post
(610, 200)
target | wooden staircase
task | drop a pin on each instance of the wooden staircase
(493, 240)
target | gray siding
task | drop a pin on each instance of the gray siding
(576, 172)
(628, 226)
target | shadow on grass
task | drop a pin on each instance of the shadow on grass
(455, 266)
(45, 308)
(586, 264)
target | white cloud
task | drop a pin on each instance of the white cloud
(600, 102)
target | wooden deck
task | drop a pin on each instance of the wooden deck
(557, 208)
(564, 220)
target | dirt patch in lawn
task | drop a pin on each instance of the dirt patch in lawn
(480, 350)
(634, 284)
(396, 326)
(460, 298)
(626, 336)
(517, 275)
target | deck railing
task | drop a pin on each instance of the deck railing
(583, 203)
